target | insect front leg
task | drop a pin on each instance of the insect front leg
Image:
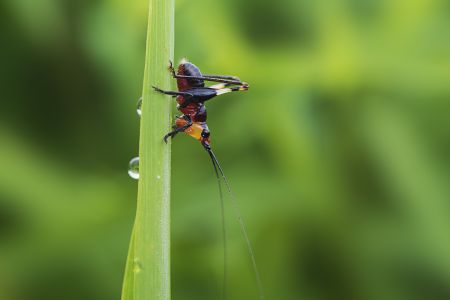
(172, 70)
(184, 119)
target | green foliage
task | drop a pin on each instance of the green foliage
(338, 153)
(147, 274)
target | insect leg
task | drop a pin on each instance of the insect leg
(173, 94)
(222, 77)
(224, 85)
(233, 80)
(224, 90)
(176, 130)
(171, 69)
(214, 79)
(220, 86)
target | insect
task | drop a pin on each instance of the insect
(191, 97)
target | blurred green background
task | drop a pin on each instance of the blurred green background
(339, 152)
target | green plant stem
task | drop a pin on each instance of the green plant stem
(147, 274)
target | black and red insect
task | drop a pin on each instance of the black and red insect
(191, 96)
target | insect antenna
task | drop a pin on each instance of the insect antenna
(237, 211)
(224, 232)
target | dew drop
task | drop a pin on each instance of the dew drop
(133, 168)
(137, 266)
(139, 107)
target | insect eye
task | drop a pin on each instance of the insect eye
(205, 134)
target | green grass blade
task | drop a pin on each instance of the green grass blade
(147, 274)
(128, 282)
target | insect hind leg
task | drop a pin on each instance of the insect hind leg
(235, 78)
(224, 90)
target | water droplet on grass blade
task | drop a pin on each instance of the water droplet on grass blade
(137, 266)
(139, 107)
(133, 168)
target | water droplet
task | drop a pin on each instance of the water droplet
(158, 177)
(133, 168)
(137, 267)
(139, 107)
